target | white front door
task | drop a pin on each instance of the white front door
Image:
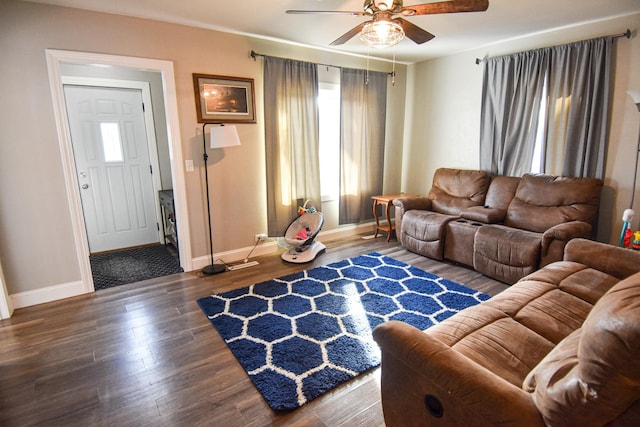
(112, 162)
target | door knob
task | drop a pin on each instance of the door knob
(83, 174)
(85, 186)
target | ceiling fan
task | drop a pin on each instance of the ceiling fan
(386, 29)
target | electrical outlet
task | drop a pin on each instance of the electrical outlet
(260, 237)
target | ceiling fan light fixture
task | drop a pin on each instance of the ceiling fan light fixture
(381, 33)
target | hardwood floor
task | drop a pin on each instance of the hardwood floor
(144, 354)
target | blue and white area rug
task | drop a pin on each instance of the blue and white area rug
(301, 335)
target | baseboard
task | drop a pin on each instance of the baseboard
(347, 230)
(235, 255)
(48, 294)
(72, 289)
(272, 246)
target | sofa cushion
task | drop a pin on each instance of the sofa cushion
(585, 283)
(504, 253)
(459, 237)
(501, 191)
(542, 201)
(543, 308)
(592, 377)
(499, 195)
(423, 232)
(454, 190)
(483, 214)
(494, 340)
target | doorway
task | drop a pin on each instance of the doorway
(56, 60)
(113, 158)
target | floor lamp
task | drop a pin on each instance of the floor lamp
(627, 216)
(221, 136)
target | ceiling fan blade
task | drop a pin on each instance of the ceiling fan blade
(414, 32)
(348, 35)
(325, 12)
(453, 6)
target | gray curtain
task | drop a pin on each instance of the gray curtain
(363, 114)
(291, 138)
(574, 83)
(580, 88)
(512, 92)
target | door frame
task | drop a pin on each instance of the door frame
(54, 60)
(145, 90)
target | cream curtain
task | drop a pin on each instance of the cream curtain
(291, 137)
(363, 115)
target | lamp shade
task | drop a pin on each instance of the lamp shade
(224, 136)
(381, 33)
(635, 95)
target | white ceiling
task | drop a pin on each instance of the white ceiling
(504, 20)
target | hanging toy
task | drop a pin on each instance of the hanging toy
(304, 209)
(625, 235)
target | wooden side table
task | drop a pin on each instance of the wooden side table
(386, 200)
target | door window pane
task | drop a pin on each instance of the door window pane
(111, 142)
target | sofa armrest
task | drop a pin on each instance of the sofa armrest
(425, 382)
(408, 203)
(617, 262)
(404, 204)
(484, 214)
(555, 239)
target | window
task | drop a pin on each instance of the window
(329, 123)
(536, 162)
(111, 142)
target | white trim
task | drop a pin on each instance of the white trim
(235, 255)
(348, 230)
(270, 247)
(6, 308)
(54, 59)
(48, 294)
(152, 148)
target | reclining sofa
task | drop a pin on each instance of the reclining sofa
(561, 347)
(504, 227)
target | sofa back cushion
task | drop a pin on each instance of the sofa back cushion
(542, 201)
(501, 192)
(592, 377)
(454, 190)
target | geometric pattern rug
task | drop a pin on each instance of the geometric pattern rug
(301, 335)
(116, 268)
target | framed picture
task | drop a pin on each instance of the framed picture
(224, 99)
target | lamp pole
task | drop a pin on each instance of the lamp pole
(635, 171)
(211, 268)
(627, 215)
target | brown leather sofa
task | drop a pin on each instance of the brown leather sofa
(503, 227)
(560, 348)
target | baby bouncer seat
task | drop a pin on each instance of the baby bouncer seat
(301, 234)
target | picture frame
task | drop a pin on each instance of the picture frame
(224, 99)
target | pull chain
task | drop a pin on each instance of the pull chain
(366, 79)
(393, 72)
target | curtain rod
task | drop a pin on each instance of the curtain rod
(626, 34)
(255, 54)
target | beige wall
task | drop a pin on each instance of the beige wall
(441, 99)
(443, 121)
(36, 243)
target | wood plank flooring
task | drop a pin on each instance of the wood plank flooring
(144, 354)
